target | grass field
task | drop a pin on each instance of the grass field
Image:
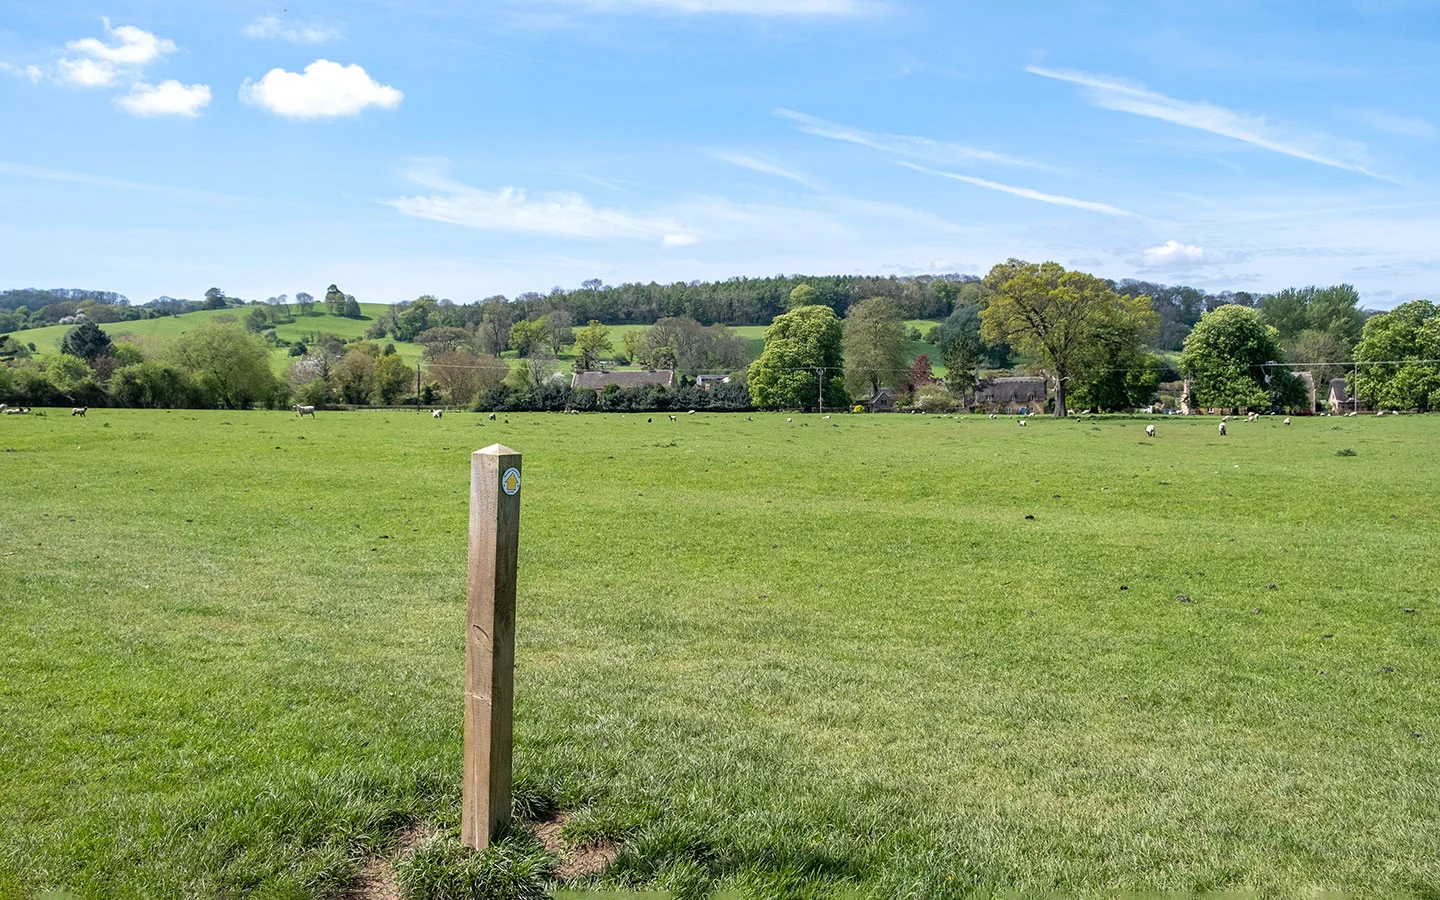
(778, 658)
(152, 334)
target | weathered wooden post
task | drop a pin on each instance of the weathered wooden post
(490, 643)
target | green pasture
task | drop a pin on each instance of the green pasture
(898, 656)
(152, 334)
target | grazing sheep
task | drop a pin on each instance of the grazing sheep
(1222, 429)
(435, 413)
(1022, 423)
(690, 413)
(1287, 420)
(492, 417)
(673, 419)
(14, 411)
(992, 415)
(788, 419)
(1149, 430)
(749, 418)
(3, 407)
(1380, 413)
(827, 417)
(305, 411)
(78, 411)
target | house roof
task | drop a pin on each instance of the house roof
(1337, 389)
(1007, 390)
(598, 380)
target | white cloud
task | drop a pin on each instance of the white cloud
(169, 98)
(512, 209)
(32, 73)
(1111, 93)
(128, 46)
(124, 53)
(1028, 193)
(762, 164)
(1173, 253)
(748, 7)
(274, 28)
(901, 144)
(326, 89)
(87, 72)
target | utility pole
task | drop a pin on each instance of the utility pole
(820, 370)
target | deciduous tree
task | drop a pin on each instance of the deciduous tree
(799, 345)
(1394, 359)
(1055, 316)
(1229, 356)
(591, 341)
(875, 345)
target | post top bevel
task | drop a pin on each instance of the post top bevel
(496, 450)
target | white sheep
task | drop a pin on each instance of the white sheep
(1222, 429)
(305, 411)
(492, 417)
(1149, 430)
(78, 411)
(436, 413)
(673, 419)
(690, 413)
(788, 419)
(992, 415)
(827, 417)
(1022, 423)
(1287, 420)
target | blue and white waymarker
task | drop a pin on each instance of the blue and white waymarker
(511, 481)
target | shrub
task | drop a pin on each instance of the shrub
(932, 398)
(1346, 452)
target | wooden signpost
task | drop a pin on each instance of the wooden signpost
(490, 644)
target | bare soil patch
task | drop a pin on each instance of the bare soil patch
(377, 878)
(575, 862)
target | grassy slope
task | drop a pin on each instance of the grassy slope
(153, 333)
(787, 654)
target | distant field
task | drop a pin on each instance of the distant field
(910, 655)
(152, 333)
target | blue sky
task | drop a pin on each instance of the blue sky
(465, 149)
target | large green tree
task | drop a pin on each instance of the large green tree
(1058, 317)
(1394, 366)
(875, 346)
(1231, 357)
(800, 345)
(231, 367)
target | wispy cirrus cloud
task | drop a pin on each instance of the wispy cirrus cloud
(276, 28)
(1027, 193)
(1112, 93)
(1401, 126)
(768, 8)
(909, 145)
(513, 209)
(763, 164)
